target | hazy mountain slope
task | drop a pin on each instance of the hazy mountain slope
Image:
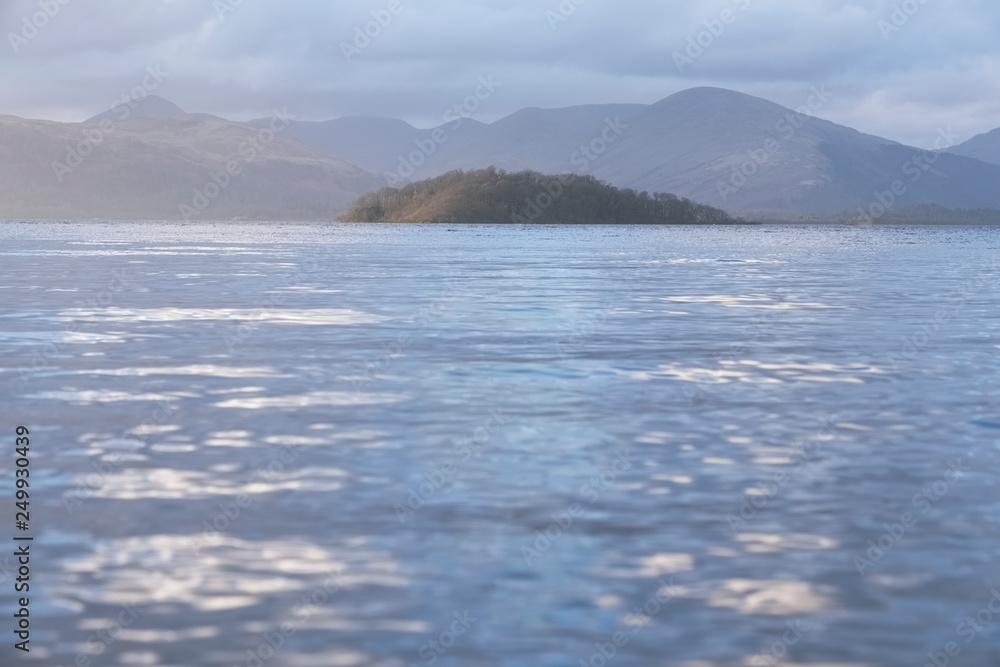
(370, 143)
(377, 144)
(695, 142)
(540, 139)
(151, 106)
(148, 166)
(984, 147)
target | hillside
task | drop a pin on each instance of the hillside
(158, 162)
(985, 147)
(695, 144)
(716, 147)
(376, 144)
(495, 196)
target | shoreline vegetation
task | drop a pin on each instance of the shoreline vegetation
(495, 196)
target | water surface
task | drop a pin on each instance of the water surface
(511, 442)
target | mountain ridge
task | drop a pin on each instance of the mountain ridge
(715, 146)
(154, 166)
(151, 106)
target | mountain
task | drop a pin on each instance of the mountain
(744, 153)
(984, 147)
(380, 145)
(371, 143)
(695, 144)
(538, 139)
(158, 162)
(530, 138)
(150, 159)
(151, 106)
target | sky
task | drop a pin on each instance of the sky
(902, 69)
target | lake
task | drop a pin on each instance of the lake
(333, 445)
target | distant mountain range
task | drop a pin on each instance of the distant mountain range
(718, 147)
(153, 161)
(714, 146)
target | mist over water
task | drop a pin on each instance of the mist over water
(300, 444)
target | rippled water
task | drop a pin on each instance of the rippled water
(383, 424)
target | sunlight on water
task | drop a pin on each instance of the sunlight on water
(312, 398)
(270, 315)
(516, 442)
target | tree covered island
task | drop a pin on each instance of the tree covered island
(495, 196)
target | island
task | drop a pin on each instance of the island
(493, 195)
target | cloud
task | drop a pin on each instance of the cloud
(898, 68)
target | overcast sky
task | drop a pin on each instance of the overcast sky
(934, 64)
